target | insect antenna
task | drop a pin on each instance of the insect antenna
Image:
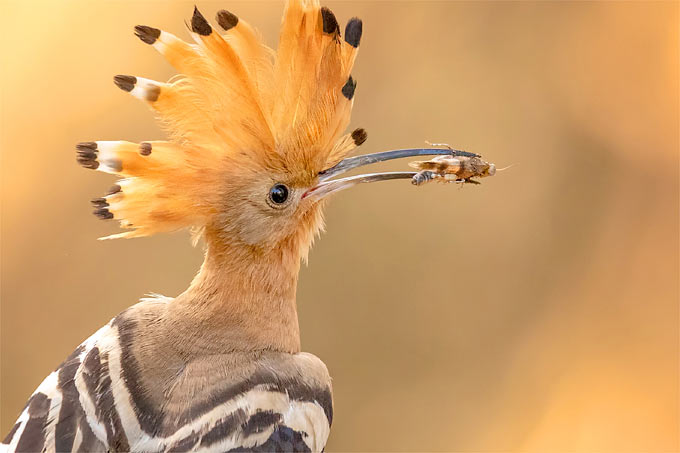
(505, 168)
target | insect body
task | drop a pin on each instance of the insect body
(452, 168)
(423, 176)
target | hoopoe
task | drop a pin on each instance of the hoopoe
(256, 141)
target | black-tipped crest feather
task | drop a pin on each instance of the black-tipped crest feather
(349, 87)
(330, 23)
(86, 155)
(226, 19)
(147, 34)
(99, 202)
(359, 136)
(236, 63)
(353, 32)
(103, 213)
(145, 149)
(125, 82)
(199, 24)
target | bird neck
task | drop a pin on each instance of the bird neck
(243, 298)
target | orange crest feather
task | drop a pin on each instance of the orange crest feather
(235, 105)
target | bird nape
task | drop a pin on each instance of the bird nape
(255, 140)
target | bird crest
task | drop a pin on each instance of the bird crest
(235, 108)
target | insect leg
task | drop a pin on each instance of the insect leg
(443, 145)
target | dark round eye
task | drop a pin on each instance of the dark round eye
(278, 194)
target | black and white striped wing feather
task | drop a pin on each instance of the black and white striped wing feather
(89, 404)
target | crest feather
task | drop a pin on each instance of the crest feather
(234, 104)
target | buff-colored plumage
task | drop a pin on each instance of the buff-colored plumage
(235, 107)
(255, 146)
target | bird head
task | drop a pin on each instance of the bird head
(255, 136)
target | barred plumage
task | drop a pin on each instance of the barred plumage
(165, 375)
(254, 141)
(107, 397)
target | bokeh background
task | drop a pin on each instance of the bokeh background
(536, 312)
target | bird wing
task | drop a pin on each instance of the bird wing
(98, 399)
(54, 418)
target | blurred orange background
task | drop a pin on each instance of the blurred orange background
(536, 312)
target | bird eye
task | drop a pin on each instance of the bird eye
(278, 194)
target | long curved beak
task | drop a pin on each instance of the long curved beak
(327, 185)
